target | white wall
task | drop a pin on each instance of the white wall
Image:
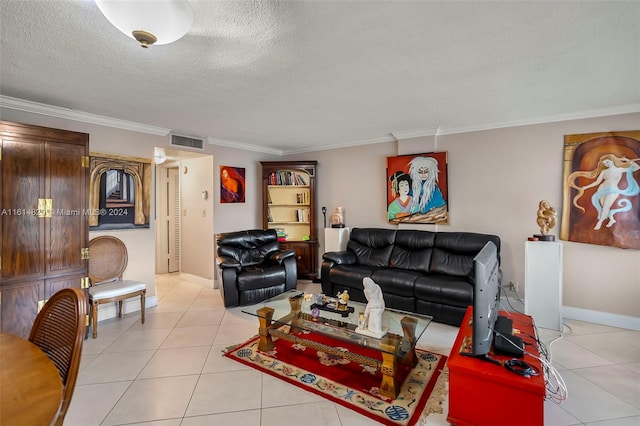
(496, 180)
(240, 216)
(196, 220)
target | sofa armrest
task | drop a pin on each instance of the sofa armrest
(280, 256)
(228, 262)
(340, 257)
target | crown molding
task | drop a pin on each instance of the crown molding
(625, 109)
(243, 145)
(69, 114)
(84, 117)
(350, 144)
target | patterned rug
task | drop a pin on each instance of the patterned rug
(352, 385)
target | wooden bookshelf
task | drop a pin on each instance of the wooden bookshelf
(289, 207)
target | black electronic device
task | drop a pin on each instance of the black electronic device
(508, 344)
(503, 325)
(486, 298)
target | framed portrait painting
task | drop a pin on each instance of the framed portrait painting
(417, 189)
(601, 185)
(232, 184)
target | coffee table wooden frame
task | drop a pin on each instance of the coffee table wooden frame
(391, 346)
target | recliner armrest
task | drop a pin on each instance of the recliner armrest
(228, 262)
(341, 257)
(280, 255)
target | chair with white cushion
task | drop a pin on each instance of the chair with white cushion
(107, 262)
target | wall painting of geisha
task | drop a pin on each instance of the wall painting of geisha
(601, 182)
(232, 184)
(417, 188)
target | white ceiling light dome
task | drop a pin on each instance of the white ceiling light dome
(149, 21)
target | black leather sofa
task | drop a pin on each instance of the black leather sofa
(252, 268)
(419, 271)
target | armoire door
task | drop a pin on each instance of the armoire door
(43, 221)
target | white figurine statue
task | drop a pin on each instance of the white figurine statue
(375, 306)
(337, 218)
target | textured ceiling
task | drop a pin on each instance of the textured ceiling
(295, 76)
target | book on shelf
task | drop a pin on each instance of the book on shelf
(286, 177)
(302, 197)
(282, 235)
(302, 215)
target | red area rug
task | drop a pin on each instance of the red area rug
(350, 384)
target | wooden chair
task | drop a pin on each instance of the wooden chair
(107, 262)
(59, 331)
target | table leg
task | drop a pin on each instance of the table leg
(296, 310)
(265, 316)
(408, 343)
(389, 386)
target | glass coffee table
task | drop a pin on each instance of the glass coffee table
(396, 346)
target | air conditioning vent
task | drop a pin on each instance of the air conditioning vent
(187, 141)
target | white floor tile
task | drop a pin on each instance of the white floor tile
(200, 318)
(190, 336)
(217, 363)
(313, 414)
(139, 340)
(91, 403)
(114, 367)
(609, 347)
(617, 380)
(238, 418)
(226, 392)
(589, 403)
(176, 362)
(153, 399)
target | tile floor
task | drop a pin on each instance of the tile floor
(170, 371)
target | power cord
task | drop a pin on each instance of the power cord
(556, 389)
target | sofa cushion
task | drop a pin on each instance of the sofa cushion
(396, 281)
(467, 243)
(372, 247)
(454, 252)
(444, 289)
(248, 247)
(444, 262)
(350, 275)
(412, 250)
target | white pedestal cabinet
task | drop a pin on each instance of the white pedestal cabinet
(335, 239)
(543, 283)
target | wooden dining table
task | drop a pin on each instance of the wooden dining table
(30, 385)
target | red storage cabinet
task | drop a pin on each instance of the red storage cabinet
(484, 393)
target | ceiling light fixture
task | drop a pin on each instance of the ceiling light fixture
(159, 157)
(149, 21)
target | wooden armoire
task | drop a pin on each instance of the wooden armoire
(44, 225)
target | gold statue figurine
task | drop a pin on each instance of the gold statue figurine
(546, 219)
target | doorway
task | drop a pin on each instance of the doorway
(184, 215)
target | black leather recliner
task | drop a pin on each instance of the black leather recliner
(252, 268)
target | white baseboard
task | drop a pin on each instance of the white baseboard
(586, 315)
(110, 310)
(204, 282)
(604, 318)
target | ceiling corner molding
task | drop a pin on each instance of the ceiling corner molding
(242, 145)
(84, 117)
(624, 109)
(339, 145)
(415, 133)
